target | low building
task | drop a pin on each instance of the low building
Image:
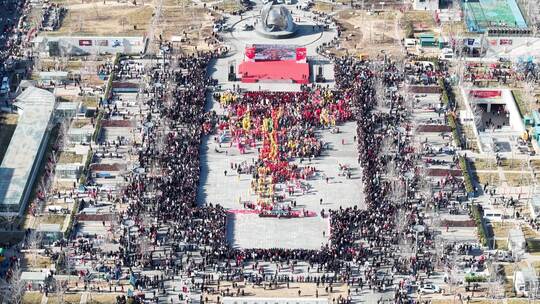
(23, 157)
(516, 241)
(68, 171)
(57, 77)
(427, 40)
(80, 135)
(50, 233)
(34, 278)
(534, 206)
(525, 282)
(66, 110)
(426, 5)
(49, 46)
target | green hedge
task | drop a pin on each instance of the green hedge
(84, 173)
(106, 95)
(519, 103)
(444, 93)
(409, 29)
(72, 216)
(533, 245)
(477, 217)
(465, 169)
(456, 130)
(473, 278)
(97, 130)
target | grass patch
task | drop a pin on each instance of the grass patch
(74, 298)
(53, 219)
(472, 144)
(323, 7)
(101, 298)
(535, 163)
(513, 164)
(530, 233)
(500, 229)
(522, 301)
(32, 297)
(8, 124)
(501, 244)
(79, 123)
(33, 260)
(518, 179)
(90, 101)
(98, 19)
(520, 103)
(421, 20)
(485, 164)
(74, 65)
(230, 6)
(533, 246)
(70, 158)
(488, 178)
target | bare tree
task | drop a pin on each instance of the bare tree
(60, 289)
(451, 273)
(477, 115)
(13, 289)
(96, 10)
(123, 21)
(81, 23)
(33, 242)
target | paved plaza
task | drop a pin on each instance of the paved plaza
(232, 191)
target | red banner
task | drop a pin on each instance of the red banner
(301, 54)
(485, 93)
(85, 42)
(250, 53)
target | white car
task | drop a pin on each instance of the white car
(429, 288)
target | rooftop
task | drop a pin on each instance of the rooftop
(16, 171)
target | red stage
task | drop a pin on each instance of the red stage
(274, 71)
(276, 63)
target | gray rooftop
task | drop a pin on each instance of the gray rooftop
(18, 168)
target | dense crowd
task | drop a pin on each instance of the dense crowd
(162, 207)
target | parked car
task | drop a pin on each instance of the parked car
(429, 288)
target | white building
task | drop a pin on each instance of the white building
(49, 46)
(534, 206)
(23, 157)
(525, 282)
(426, 5)
(516, 241)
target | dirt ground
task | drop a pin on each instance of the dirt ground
(189, 21)
(307, 290)
(105, 18)
(421, 20)
(368, 34)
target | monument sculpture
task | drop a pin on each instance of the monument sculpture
(275, 22)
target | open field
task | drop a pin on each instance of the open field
(69, 158)
(305, 289)
(32, 297)
(65, 299)
(489, 178)
(369, 34)
(421, 20)
(111, 19)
